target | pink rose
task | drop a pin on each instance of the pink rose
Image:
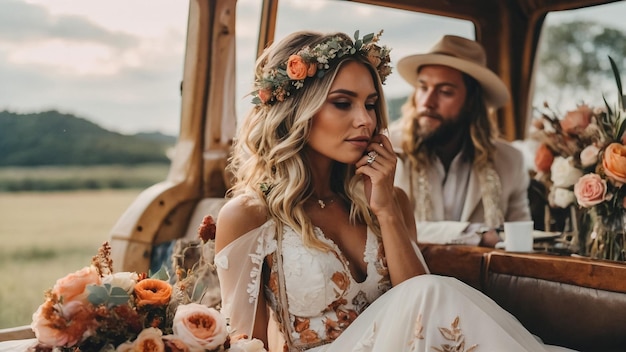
(590, 190)
(576, 121)
(149, 340)
(200, 326)
(74, 285)
(614, 163)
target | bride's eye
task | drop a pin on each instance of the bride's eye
(342, 105)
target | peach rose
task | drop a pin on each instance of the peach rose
(153, 292)
(149, 340)
(543, 158)
(298, 69)
(577, 120)
(175, 344)
(614, 163)
(590, 190)
(73, 286)
(200, 326)
(589, 155)
(62, 324)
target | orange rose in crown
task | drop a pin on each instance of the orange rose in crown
(298, 69)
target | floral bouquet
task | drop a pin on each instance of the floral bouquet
(95, 309)
(582, 160)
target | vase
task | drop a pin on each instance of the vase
(607, 239)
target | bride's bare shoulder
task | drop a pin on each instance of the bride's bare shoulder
(239, 216)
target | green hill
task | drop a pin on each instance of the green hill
(54, 138)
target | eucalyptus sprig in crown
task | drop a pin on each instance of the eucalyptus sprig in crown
(278, 83)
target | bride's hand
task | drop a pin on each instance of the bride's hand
(378, 168)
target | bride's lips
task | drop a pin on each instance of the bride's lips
(360, 141)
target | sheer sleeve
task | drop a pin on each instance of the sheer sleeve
(239, 266)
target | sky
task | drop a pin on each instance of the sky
(119, 62)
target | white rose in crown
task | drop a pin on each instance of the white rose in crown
(563, 173)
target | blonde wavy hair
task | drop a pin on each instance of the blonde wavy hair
(268, 159)
(483, 129)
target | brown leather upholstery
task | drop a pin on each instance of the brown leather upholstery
(572, 302)
(460, 261)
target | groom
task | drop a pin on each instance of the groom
(463, 181)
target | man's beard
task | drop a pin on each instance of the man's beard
(447, 131)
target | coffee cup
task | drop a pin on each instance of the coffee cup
(518, 236)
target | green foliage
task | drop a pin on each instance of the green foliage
(108, 295)
(53, 138)
(161, 274)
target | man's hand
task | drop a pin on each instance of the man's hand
(489, 239)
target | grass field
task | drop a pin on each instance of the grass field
(67, 178)
(44, 236)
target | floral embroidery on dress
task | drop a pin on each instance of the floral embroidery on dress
(456, 337)
(323, 298)
(266, 244)
(360, 302)
(381, 267)
(366, 343)
(418, 333)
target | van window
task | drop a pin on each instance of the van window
(572, 64)
(405, 32)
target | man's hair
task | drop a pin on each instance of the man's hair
(268, 160)
(483, 131)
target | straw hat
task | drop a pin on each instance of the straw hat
(464, 55)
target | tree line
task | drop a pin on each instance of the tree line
(52, 138)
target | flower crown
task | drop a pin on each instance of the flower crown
(280, 82)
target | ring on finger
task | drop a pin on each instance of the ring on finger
(371, 156)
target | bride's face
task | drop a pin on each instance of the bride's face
(343, 127)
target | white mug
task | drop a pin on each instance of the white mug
(518, 236)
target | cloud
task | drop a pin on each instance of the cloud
(124, 81)
(21, 22)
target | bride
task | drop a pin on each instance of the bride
(316, 247)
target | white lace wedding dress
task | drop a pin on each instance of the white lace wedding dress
(327, 310)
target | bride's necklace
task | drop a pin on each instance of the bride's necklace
(323, 202)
